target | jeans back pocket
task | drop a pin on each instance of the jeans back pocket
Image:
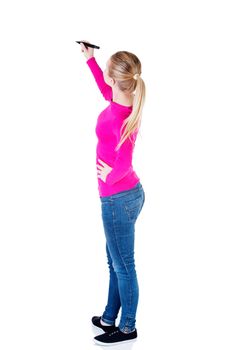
(133, 206)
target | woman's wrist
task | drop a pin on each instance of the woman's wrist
(89, 58)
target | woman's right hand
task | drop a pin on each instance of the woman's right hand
(88, 51)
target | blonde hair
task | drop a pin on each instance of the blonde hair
(122, 68)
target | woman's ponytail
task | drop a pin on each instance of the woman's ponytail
(125, 68)
(132, 123)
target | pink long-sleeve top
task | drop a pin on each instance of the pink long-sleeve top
(122, 177)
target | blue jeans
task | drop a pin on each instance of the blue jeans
(119, 214)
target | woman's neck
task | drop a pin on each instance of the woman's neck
(122, 98)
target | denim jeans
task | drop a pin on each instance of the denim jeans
(119, 214)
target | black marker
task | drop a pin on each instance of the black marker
(87, 44)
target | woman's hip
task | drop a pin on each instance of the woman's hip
(123, 207)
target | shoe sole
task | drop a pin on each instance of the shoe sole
(116, 343)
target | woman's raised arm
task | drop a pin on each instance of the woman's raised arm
(105, 89)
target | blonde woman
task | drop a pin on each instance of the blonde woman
(120, 190)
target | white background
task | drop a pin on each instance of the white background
(53, 270)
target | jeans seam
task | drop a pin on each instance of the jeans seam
(116, 241)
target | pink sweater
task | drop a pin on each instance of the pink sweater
(122, 177)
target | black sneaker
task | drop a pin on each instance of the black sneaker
(115, 338)
(96, 320)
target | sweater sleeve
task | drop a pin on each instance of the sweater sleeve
(123, 162)
(105, 89)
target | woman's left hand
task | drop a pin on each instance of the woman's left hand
(103, 170)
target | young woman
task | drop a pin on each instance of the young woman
(121, 192)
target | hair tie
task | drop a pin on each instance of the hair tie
(136, 76)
